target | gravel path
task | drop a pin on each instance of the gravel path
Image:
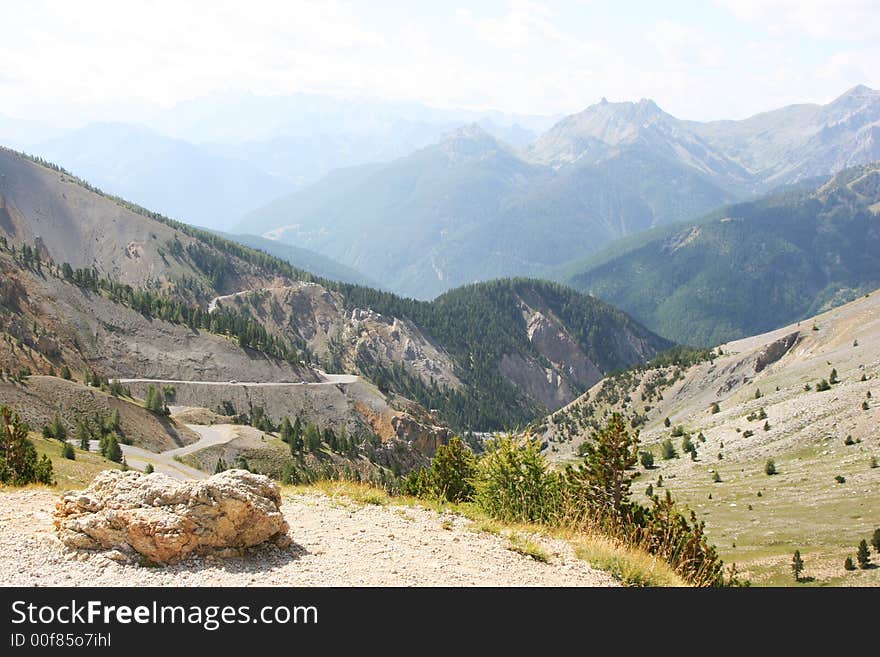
(335, 544)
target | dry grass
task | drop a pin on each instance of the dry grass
(526, 547)
(631, 566)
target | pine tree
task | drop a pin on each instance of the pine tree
(113, 450)
(65, 372)
(875, 540)
(770, 467)
(848, 564)
(604, 479)
(19, 464)
(667, 423)
(797, 565)
(59, 432)
(83, 435)
(863, 556)
(312, 438)
(286, 430)
(115, 421)
(832, 378)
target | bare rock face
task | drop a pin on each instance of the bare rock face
(166, 520)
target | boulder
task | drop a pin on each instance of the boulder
(166, 520)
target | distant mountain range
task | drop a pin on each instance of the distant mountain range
(172, 176)
(750, 267)
(210, 160)
(472, 208)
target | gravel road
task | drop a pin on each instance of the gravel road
(334, 545)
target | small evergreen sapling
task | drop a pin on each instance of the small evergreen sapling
(797, 565)
(863, 556)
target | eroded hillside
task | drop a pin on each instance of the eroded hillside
(803, 396)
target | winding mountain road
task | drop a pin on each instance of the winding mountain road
(330, 380)
(165, 462)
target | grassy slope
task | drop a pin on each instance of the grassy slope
(802, 507)
(72, 474)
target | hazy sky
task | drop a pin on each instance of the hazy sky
(699, 60)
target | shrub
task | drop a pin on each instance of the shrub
(766, 426)
(840, 479)
(832, 378)
(848, 564)
(67, 451)
(149, 469)
(649, 490)
(716, 477)
(449, 477)
(19, 464)
(865, 406)
(875, 540)
(667, 423)
(667, 450)
(515, 484)
(646, 458)
(678, 431)
(770, 467)
(758, 394)
(687, 445)
(849, 441)
(822, 386)
(715, 408)
(863, 556)
(748, 433)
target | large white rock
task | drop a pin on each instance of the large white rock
(166, 520)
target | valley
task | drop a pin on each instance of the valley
(166, 347)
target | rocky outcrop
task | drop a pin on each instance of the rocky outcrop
(166, 520)
(424, 438)
(775, 350)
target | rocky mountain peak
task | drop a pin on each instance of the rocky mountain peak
(470, 141)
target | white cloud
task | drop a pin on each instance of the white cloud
(527, 24)
(823, 19)
(528, 56)
(685, 46)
